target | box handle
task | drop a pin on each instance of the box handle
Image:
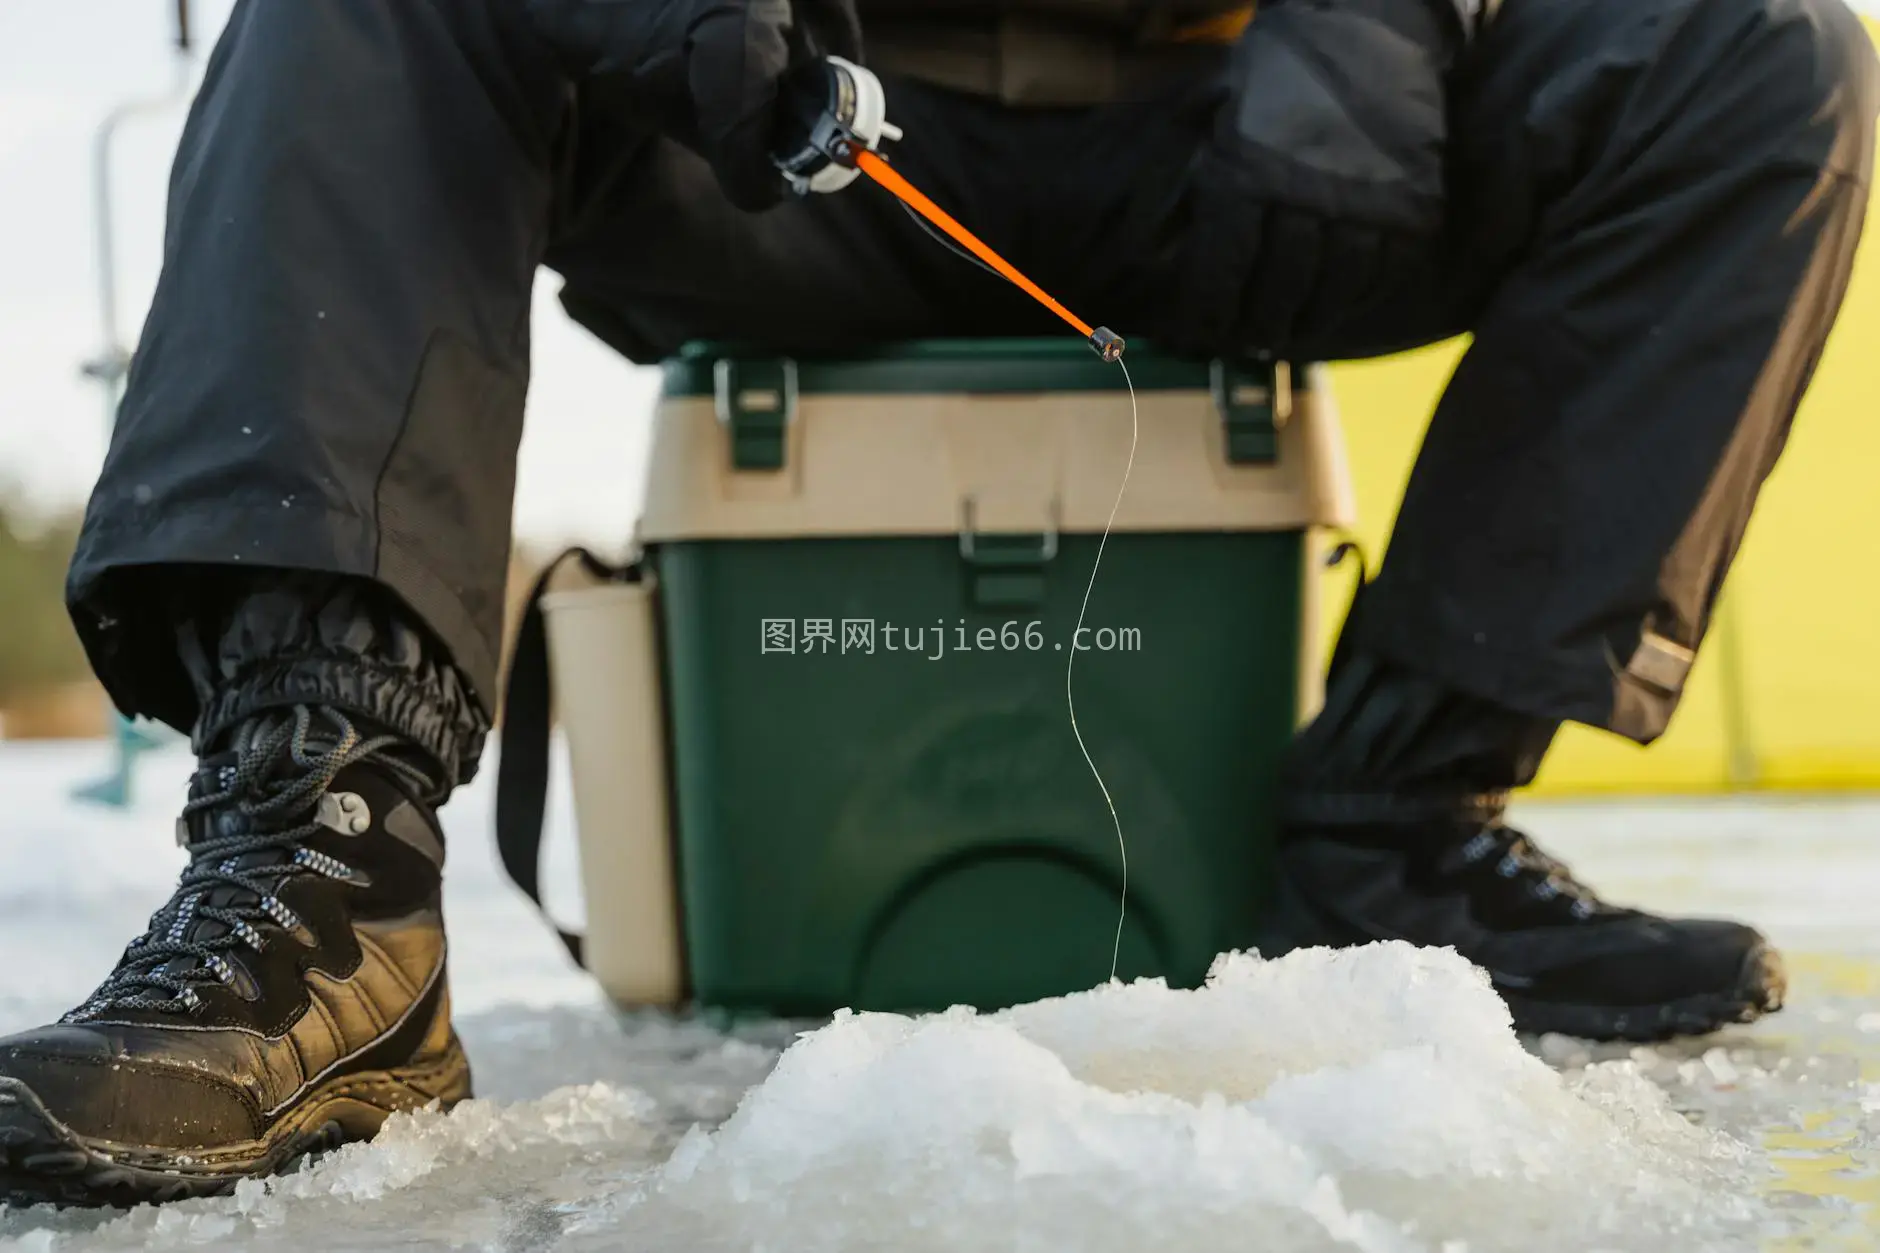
(1019, 549)
(756, 401)
(1007, 570)
(1246, 398)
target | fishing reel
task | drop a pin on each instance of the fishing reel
(839, 108)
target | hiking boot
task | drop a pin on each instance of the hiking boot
(1391, 829)
(289, 997)
(1563, 960)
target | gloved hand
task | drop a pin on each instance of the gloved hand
(1338, 107)
(1324, 172)
(714, 75)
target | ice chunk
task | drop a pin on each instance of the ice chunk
(1371, 1099)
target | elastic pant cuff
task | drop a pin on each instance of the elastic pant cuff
(272, 639)
(383, 695)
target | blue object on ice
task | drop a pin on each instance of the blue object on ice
(114, 789)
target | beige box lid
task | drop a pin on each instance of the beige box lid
(928, 463)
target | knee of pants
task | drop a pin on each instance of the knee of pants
(367, 19)
(365, 45)
(1821, 43)
(1848, 68)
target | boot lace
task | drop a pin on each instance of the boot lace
(1516, 857)
(269, 802)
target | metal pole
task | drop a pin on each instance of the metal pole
(1744, 762)
(114, 358)
(113, 361)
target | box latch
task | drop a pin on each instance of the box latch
(1247, 396)
(1006, 570)
(756, 400)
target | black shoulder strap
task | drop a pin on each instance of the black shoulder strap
(522, 767)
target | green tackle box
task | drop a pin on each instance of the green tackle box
(861, 583)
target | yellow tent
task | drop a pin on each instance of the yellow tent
(1787, 692)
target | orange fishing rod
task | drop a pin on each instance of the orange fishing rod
(1108, 344)
(847, 124)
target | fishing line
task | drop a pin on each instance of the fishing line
(944, 242)
(1070, 702)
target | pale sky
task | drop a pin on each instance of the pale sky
(63, 65)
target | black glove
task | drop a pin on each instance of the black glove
(1338, 108)
(1323, 178)
(714, 75)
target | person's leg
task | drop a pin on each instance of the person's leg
(329, 384)
(1663, 200)
(1685, 197)
(332, 375)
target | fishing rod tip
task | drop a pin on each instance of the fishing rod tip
(1108, 343)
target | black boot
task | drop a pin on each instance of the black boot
(289, 997)
(1393, 830)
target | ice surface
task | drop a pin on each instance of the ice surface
(441, 1176)
(1372, 1100)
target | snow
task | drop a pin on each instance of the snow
(1329, 1100)
(1371, 1100)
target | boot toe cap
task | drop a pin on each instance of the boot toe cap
(97, 1093)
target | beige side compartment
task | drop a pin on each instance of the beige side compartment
(604, 658)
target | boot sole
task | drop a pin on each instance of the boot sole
(1761, 983)
(1759, 987)
(42, 1161)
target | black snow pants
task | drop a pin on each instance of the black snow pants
(1654, 206)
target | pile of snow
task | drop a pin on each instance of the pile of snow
(1374, 1100)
